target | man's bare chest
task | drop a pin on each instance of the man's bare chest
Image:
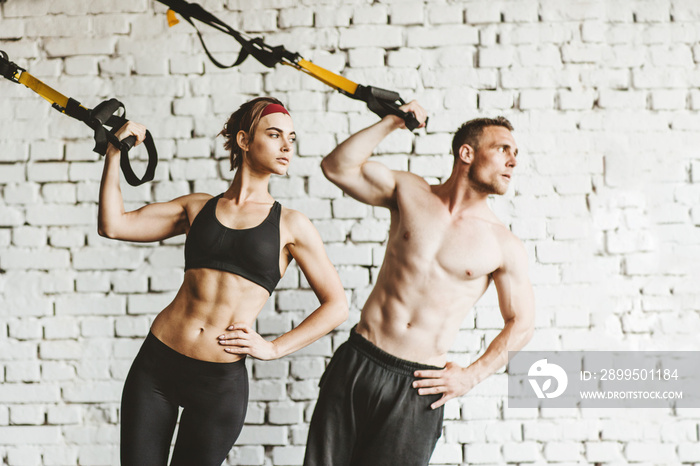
(464, 248)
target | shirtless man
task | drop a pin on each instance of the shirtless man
(382, 395)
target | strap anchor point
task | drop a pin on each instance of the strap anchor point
(172, 19)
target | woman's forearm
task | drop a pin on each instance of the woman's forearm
(111, 203)
(324, 319)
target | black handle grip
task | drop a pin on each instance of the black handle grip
(103, 111)
(128, 142)
(385, 94)
(411, 121)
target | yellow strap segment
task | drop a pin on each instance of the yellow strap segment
(43, 90)
(172, 19)
(327, 77)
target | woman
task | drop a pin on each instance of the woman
(238, 246)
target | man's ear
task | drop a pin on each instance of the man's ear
(466, 153)
(242, 140)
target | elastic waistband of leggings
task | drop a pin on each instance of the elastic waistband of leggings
(385, 359)
(170, 358)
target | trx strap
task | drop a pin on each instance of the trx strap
(380, 101)
(109, 113)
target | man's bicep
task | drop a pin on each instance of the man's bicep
(515, 294)
(372, 183)
(381, 182)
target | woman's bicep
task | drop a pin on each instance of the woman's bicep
(309, 252)
(153, 222)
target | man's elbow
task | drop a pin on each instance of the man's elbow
(522, 332)
(329, 169)
(527, 331)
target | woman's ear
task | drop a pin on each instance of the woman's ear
(466, 153)
(242, 140)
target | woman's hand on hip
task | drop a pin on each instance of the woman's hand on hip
(242, 339)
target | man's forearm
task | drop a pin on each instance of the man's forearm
(513, 337)
(454, 380)
(358, 148)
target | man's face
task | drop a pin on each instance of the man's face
(492, 167)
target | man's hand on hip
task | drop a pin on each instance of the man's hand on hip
(452, 381)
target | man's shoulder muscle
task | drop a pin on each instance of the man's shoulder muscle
(513, 251)
(410, 181)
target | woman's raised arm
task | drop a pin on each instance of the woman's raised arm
(153, 222)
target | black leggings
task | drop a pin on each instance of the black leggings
(214, 397)
(368, 413)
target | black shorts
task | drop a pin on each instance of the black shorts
(368, 413)
(214, 397)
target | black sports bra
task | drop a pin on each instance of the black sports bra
(253, 253)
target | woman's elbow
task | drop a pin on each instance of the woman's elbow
(343, 314)
(341, 311)
(106, 231)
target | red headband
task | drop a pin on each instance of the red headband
(274, 108)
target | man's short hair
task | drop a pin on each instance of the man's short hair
(470, 132)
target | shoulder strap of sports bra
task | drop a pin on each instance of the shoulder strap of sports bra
(276, 212)
(211, 203)
(209, 208)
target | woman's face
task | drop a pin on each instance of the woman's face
(272, 148)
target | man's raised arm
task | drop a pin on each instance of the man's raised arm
(349, 168)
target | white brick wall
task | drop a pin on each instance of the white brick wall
(603, 94)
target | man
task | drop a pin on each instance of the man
(382, 395)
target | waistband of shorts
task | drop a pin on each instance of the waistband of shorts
(385, 359)
(172, 359)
